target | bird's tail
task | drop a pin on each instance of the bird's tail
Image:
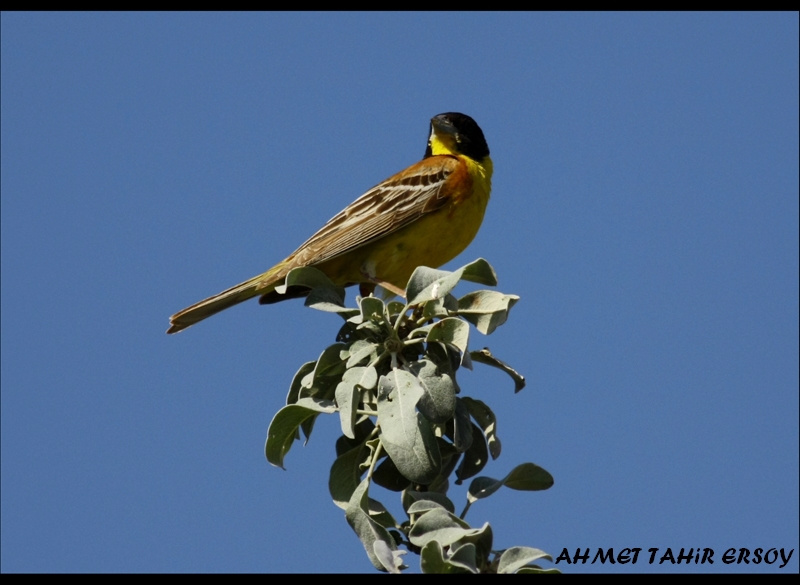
(258, 285)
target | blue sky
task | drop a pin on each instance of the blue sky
(644, 208)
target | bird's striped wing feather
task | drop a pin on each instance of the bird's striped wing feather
(382, 210)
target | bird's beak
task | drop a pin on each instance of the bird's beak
(442, 126)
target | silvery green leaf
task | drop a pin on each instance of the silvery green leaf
(298, 380)
(410, 497)
(330, 300)
(372, 308)
(484, 356)
(450, 330)
(475, 458)
(438, 400)
(362, 351)
(283, 428)
(345, 475)
(486, 309)
(427, 284)
(486, 420)
(517, 557)
(462, 428)
(439, 525)
(308, 277)
(367, 529)
(525, 477)
(405, 434)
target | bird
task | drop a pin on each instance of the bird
(426, 215)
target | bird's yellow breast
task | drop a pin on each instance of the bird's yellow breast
(431, 240)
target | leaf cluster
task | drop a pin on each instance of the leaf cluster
(391, 377)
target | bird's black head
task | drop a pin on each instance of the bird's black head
(460, 133)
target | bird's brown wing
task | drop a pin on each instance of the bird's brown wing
(384, 209)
